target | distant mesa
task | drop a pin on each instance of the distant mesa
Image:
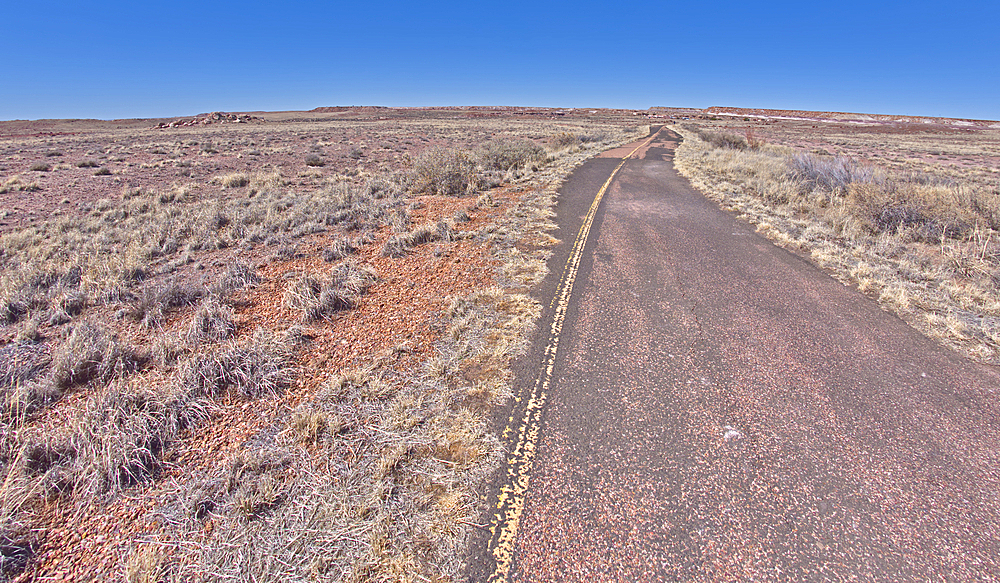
(343, 108)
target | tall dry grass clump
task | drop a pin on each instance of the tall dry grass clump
(316, 298)
(447, 172)
(510, 154)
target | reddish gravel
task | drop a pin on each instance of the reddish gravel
(402, 309)
(725, 411)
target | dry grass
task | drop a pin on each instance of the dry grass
(508, 155)
(398, 245)
(213, 322)
(393, 488)
(447, 172)
(339, 249)
(924, 242)
(120, 438)
(17, 184)
(317, 298)
(138, 306)
(234, 180)
(247, 369)
(33, 379)
(112, 249)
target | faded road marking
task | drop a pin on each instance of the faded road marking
(524, 423)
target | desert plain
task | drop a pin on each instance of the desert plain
(278, 346)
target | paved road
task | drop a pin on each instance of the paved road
(722, 410)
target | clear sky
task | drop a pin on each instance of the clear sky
(108, 59)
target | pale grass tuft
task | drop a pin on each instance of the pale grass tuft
(148, 563)
(234, 180)
(18, 184)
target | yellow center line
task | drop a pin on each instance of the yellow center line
(524, 424)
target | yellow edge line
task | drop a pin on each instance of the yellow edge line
(511, 496)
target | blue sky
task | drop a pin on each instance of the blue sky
(134, 59)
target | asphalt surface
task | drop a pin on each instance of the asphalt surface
(723, 410)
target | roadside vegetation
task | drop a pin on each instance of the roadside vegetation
(166, 367)
(923, 239)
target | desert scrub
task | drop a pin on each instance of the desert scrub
(120, 438)
(420, 448)
(339, 249)
(212, 322)
(53, 291)
(117, 239)
(318, 298)
(573, 140)
(22, 362)
(925, 245)
(564, 140)
(239, 275)
(157, 299)
(398, 245)
(510, 154)
(446, 172)
(34, 376)
(234, 180)
(250, 370)
(260, 181)
(24, 385)
(724, 140)
(379, 476)
(90, 353)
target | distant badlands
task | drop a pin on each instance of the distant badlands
(840, 117)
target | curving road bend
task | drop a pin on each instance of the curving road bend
(722, 410)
